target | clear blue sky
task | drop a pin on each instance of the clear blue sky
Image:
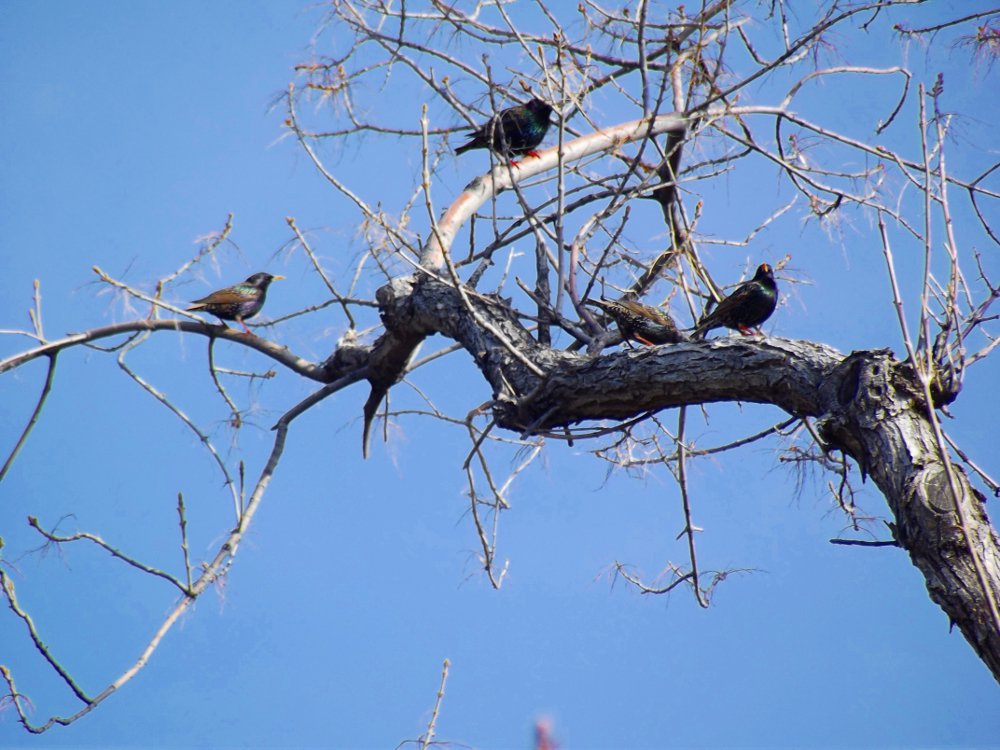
(129, 131)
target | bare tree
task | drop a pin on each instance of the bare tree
(652, 104)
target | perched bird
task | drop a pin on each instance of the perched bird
(750, 304)
(237, 302)
(640, 322)
(515, 131)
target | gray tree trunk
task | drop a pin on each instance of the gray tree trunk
(866, 404)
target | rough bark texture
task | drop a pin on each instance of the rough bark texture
(878, 418)
(866, 404)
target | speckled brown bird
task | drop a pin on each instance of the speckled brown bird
(639, 322)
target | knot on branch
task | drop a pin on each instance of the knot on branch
(863, 392)
(401, 310)
(348, 357)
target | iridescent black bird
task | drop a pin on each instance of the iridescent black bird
(515, 131)
(237, 302)
(639, 322)
(750, 304)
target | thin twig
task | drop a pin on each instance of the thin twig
(7, 586)
(113, 551)
(184, 538)
(432, 724)
(33, 419)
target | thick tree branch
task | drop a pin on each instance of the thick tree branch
(867, 404)
(393, 350)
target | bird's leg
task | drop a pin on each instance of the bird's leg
(647, 342)
(249, 332)
(535, 154)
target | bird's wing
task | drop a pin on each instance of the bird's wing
(637, 308)
(712, 320)
(222, 297)
(512, 123)
(739, 295)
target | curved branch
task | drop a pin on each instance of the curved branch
(504, 176)
(391, 353)
(275, 351)
(867, 404)
(211, 572)
(33, 419)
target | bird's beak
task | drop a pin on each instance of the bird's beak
(275, 278)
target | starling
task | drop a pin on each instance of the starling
(640, 322)
(515, 131)
(237, 302)
(750, 304)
